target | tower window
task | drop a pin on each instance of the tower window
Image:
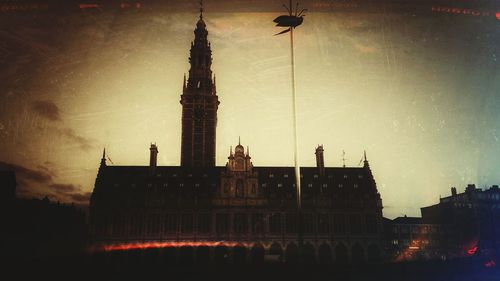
(239, 189)
(285, 175)
(345, 176)
(315, 176)
(355, 186)
(280, 185)
(271, 175)
(341, 185)
(310, 185)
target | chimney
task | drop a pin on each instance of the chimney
(320, 161)
(153, 155)
(453, 191)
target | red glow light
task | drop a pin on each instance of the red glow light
(472, 250)
(490, 263)
(498, 15)
(157, 245)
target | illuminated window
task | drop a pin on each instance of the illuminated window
(341, 185)
(345, 176)
(197, 185)
(315, 176)
(280, 185)
(181, 185)
(355, 186)
(310, 185)
(325, 185)
(271, 175)
(285, 175)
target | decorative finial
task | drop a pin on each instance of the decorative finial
(248, 150)
(201, 9)
(231, 150)
(365, 155)
(239, 140)
(104, 154)
(343, 158)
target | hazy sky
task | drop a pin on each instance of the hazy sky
(419, 92)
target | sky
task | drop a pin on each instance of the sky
(418, 90)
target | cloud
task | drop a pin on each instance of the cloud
(80, 198)
(27, 174)
(365, 49)
(84, 143)
(46, 109)
(63, 188)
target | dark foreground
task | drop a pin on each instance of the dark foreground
(119, 266)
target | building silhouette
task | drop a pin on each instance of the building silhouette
(251, 212)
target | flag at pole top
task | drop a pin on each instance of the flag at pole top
(292, 20)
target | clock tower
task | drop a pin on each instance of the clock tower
(199, 104)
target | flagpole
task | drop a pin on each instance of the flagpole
(296, 146)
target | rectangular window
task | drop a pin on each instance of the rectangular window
(275, 223)
(240, 223)
(291, 223)
(222, 223)
(308, 223)
(323, 224)
(257, 223)
(170, 223)
(339, 224)
(204, 222)
(371, 224)
(355, 224)
(187, 223)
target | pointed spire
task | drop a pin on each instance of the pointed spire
(248, 150)
(103, 159)
(201, 9)
(365, 163)
(239, 140)
(231, 150)
(184, 83)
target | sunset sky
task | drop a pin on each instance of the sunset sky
(420, 92)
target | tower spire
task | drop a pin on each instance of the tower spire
(365, 162)
(103, 159)
(201, 9)
(239, 140)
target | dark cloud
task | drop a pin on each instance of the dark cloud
(63, 188)
(27, 174)
(46, 109)
(80, 198)
(83, 143)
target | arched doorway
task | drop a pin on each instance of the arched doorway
(203, 255)
(373, 253)
(341, 254)
(358, 254)
(257, 254)
(221, 254)
(186, 255)
(275, 253)
(325, 254)
(239, 255)
(309, 253)
(292, 253)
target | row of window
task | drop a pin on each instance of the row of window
(238, 223)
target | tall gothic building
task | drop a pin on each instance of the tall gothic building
(237, 212)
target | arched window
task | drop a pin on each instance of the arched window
(239, 188)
